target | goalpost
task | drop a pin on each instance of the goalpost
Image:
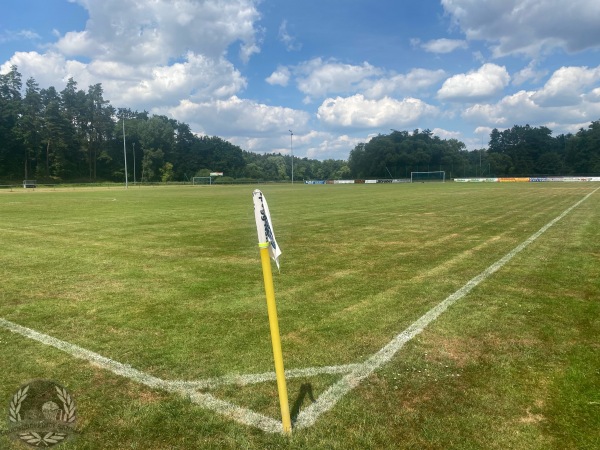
(435, 175)
(201, 180)
(206, 180)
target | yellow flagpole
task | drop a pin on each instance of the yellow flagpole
(275, 338)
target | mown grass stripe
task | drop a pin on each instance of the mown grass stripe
(355, 373)
(242, 415)
(331, 396)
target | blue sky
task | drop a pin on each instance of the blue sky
(335, 72)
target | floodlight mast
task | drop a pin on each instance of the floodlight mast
(292, 152)
(125, 152)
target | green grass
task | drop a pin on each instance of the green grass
(169, 281)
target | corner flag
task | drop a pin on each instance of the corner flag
(269, 248)
(264, 226)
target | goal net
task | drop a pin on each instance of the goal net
(201, 180)
(421, 177)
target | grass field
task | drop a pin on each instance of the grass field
(168, 280)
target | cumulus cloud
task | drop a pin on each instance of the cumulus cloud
(484, 83)
(154, 32)
(593, 96)
(151, 54)
(235, 116)
(252, 125)
(141, 87)
(446, 134)
(197, 78)
(444, 45)
(359, 112)
(47, 68)
(414, 81)
(529, 73)
(567, 86)
(326, 145)
(521, 108)
(317, 78)
(280, 77)
(528, 27)
(511, 108)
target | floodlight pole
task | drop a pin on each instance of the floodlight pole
(292, 152)
(134, 164)
(125, 152)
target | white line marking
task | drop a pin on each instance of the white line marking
(355, 373)
(79, 352)
(242, 415)
(331, 396)
(243, 380)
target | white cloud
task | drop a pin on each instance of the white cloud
(287, 39)
(529, 27)
(151, 54)
(446, 134)
(505, 111)
(358, 112)
(48, 68)
(529, 73)
(237, 117)
(280, 77)
(139, 87)
(484, 131)
(329, 146)
(444, 45)
(567, 86)
(570, 98)
(316, 78)
(154, 32)
(521, 108)
(484, 83)
(9, 36)
(414, 81)
(593, 96)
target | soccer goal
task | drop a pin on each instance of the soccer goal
(201, 180)
(422, 177)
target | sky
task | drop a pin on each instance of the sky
(334, 73)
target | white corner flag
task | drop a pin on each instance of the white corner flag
(264, 226)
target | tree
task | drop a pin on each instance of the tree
(29, 126)
(166, 172)
(151, 164)
(98, 125)
(400, 153)
(56, 134)
(10, 110)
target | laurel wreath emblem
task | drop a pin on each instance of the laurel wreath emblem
(68, 412)
(35, 438)
(14, 414)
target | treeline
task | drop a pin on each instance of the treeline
(525, 150)
(520, 150)
(399, 153)
(77, 135)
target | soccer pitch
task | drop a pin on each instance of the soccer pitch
(164, 285)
